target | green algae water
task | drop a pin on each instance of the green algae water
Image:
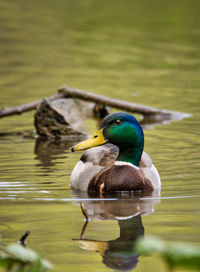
(144, 52)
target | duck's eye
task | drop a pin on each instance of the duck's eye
(118, 122)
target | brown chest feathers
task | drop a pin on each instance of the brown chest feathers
(120, 178)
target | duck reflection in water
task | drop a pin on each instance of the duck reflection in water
(127, 211)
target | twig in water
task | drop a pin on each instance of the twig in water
(22, 240)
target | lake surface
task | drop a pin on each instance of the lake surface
(139, 51)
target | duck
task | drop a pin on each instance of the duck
(115, 160)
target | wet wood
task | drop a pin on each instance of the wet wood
(115, 103)
(27, 107)
(68, 92)
(58, 119)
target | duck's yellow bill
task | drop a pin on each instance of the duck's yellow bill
(96, 139)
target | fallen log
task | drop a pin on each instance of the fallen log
(115, 103)
(59, 118)
(68, 92)
(26, 107)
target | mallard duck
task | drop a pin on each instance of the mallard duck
(115, 160)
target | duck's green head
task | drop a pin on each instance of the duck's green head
(123, 130)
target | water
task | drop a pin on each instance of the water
(145, 52)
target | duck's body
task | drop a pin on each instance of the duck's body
(119, 163)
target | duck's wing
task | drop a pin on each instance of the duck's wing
(94, 161)
(104, 155)
(149, 171)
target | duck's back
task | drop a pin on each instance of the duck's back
(121, 176)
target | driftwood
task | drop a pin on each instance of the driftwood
(59, 118)
(65, 118)
(68, 92)
(115, 103)
(26, 107)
